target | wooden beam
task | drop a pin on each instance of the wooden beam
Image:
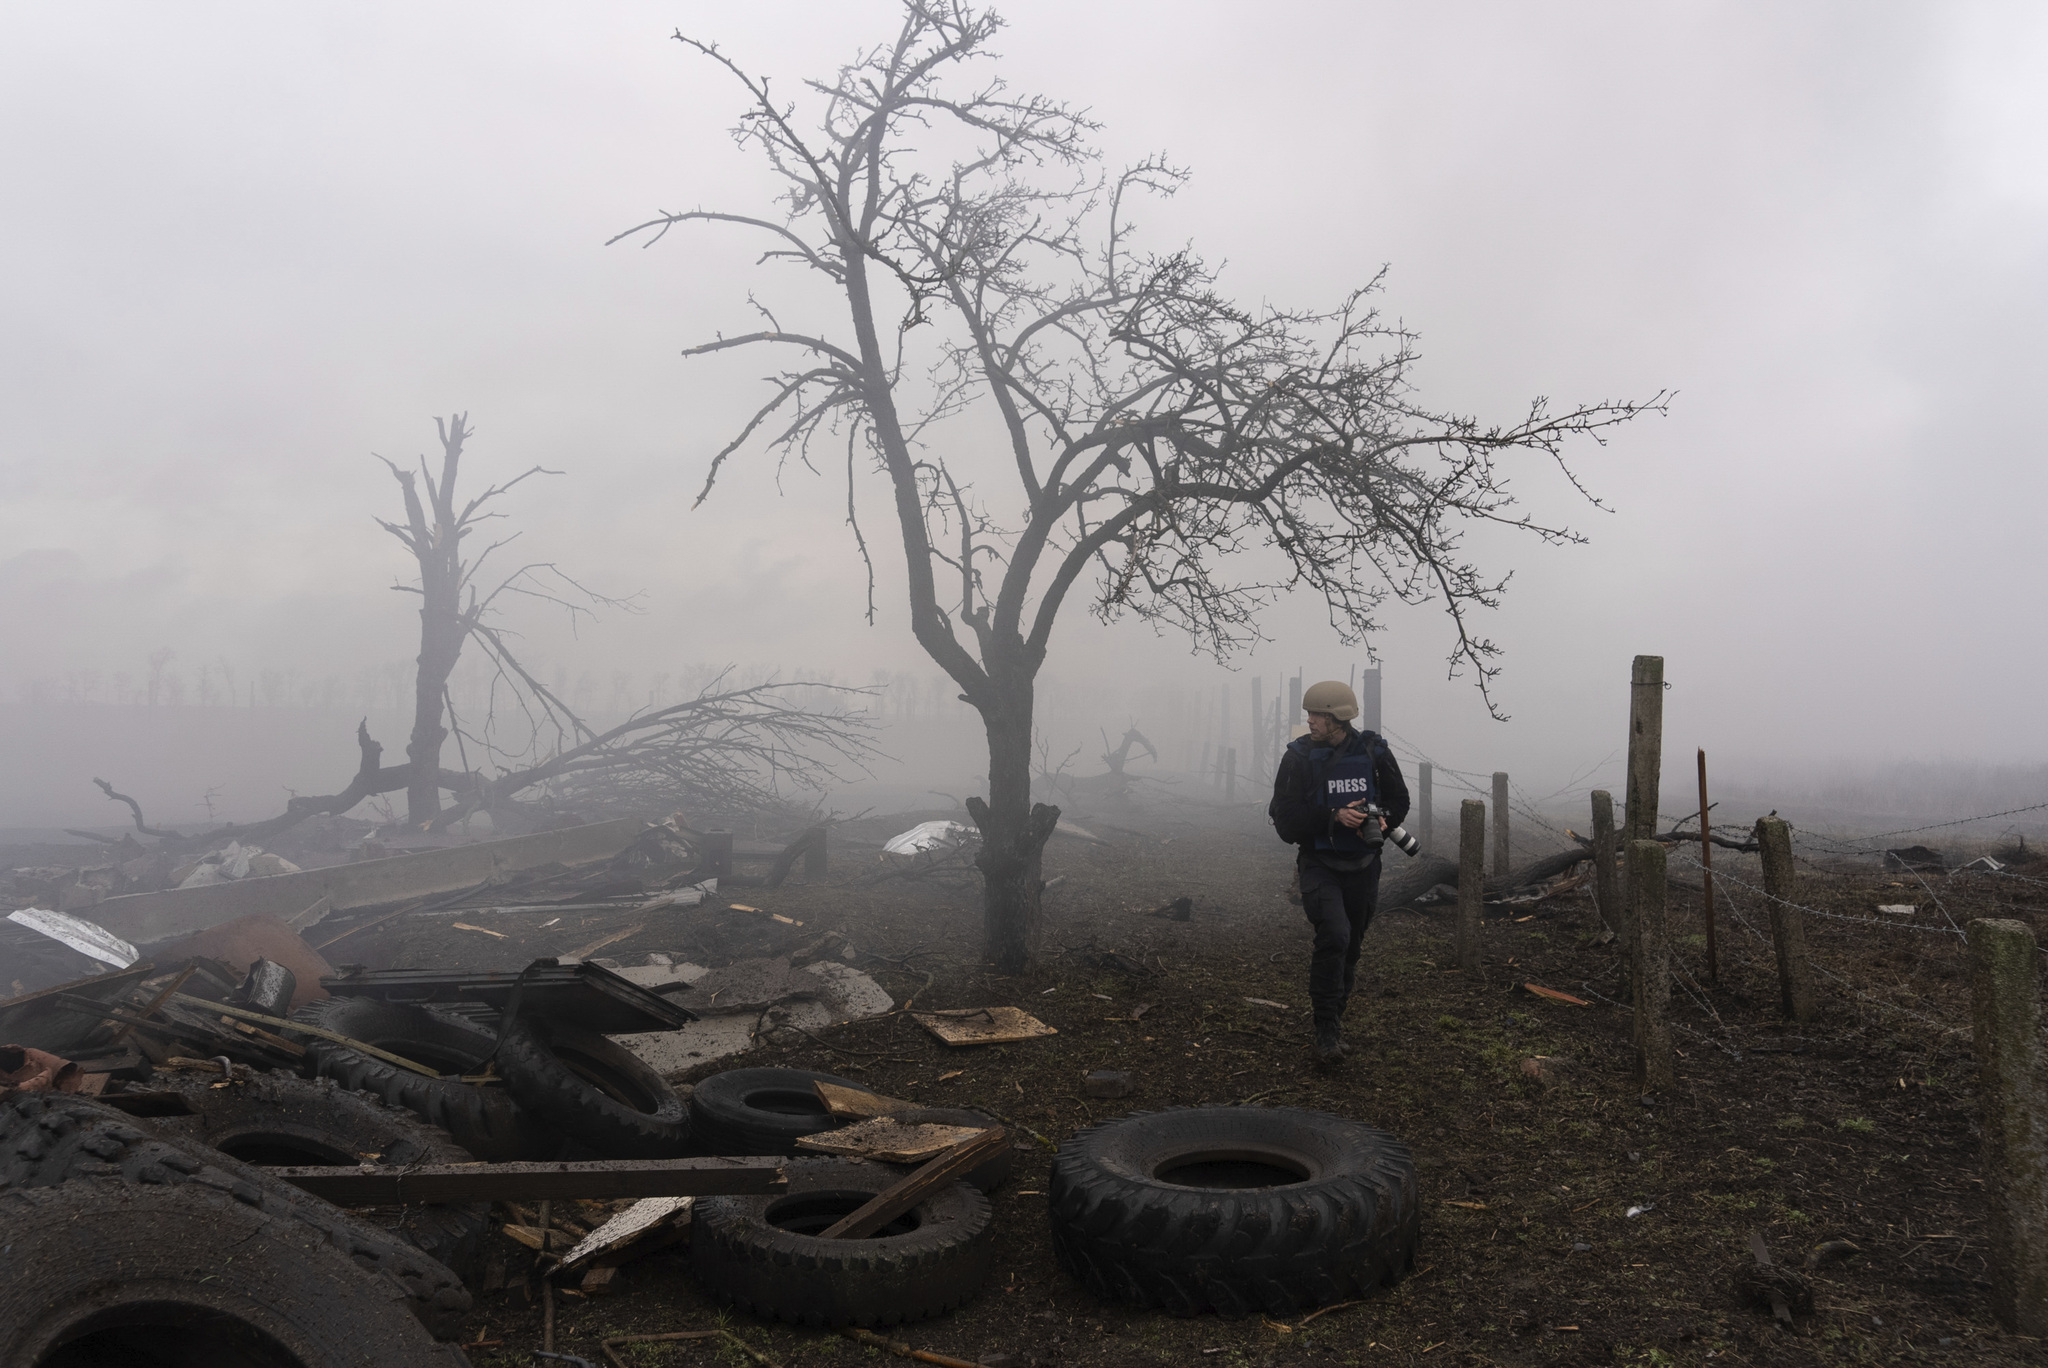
(538, 1182)
(886, 1206)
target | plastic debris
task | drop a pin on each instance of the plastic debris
(929, 836)
(87, 938)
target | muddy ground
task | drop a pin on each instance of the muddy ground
(1859, 1127)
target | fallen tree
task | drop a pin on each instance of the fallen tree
(1401, 885)
(726, 750)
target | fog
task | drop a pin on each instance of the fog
(252, 245)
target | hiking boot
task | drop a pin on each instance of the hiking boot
(1330, 1046)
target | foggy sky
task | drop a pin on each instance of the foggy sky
(250, 245)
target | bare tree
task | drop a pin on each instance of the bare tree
(731, 747)
(1152, 427)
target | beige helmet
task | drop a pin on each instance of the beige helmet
(1331, 696)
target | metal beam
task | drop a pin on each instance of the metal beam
(709, 1177)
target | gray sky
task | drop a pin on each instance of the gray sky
(249, 245)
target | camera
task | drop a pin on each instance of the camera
(1396, 835)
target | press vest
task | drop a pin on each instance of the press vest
(1337, 781)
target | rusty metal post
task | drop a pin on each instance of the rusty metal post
(1651, 960)
(2013, 1098)
(1707, 874)
(1471, 881)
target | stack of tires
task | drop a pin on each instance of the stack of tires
(764, 1255)
(131, 1246)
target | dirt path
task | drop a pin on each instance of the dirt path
(1859, 1128)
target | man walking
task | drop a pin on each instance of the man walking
(1328, 780)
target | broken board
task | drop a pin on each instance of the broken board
(983, 1025)
(840, 1100)
(888, 1141)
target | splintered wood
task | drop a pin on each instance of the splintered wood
(982, 1025)
(858, 1102)
(888, 1140)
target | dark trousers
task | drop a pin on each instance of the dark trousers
(1339, 906)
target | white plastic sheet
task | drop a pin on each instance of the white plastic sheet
(929, 836)
(87, 938)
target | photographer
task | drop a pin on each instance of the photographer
(1336, 794)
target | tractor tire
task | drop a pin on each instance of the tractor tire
(759, 1111)
(1237, 1210)
(762, 1254)
(484, 1121)
(279, 1119)
(593, 1090)
(124, 1219)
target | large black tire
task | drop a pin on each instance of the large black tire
(1236, 1210)
(279, 1119)
(484, 1121)
(988, 1175)
(754, 1252)
(157, 1217)
(593, 1090)
(760, 1111)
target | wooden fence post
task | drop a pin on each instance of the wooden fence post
(1788, 925)
(1230, 775)
(1606, 882)
(1651, 961)
(718, 854)
(1260, 765)
(1471, 880)
(817, 855)
(2014, 1110)
(1645, 755)
(1501, 864)
(1425, 804)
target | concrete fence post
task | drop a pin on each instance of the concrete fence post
(1788, 925)
(1501, 863)
(2014, 1100)
(1606, 881)
(1650, 960)
(1425, 804)
(1471, 881)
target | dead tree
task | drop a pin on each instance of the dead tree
(730, 748)
(1152, 427)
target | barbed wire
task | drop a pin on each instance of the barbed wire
(1722, 876)
(1854, 991)
(1843, 843)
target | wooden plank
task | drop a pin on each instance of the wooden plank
(900, 1197)
(305, 1029)
(540, 1182)
(983, 1025)
(843, 1101)
(887, 1140)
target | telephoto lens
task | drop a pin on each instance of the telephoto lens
(1400, 837)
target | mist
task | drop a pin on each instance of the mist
(255, 247)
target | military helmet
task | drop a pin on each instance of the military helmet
(1332, 696)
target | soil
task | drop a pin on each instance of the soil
(1567, 1220)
